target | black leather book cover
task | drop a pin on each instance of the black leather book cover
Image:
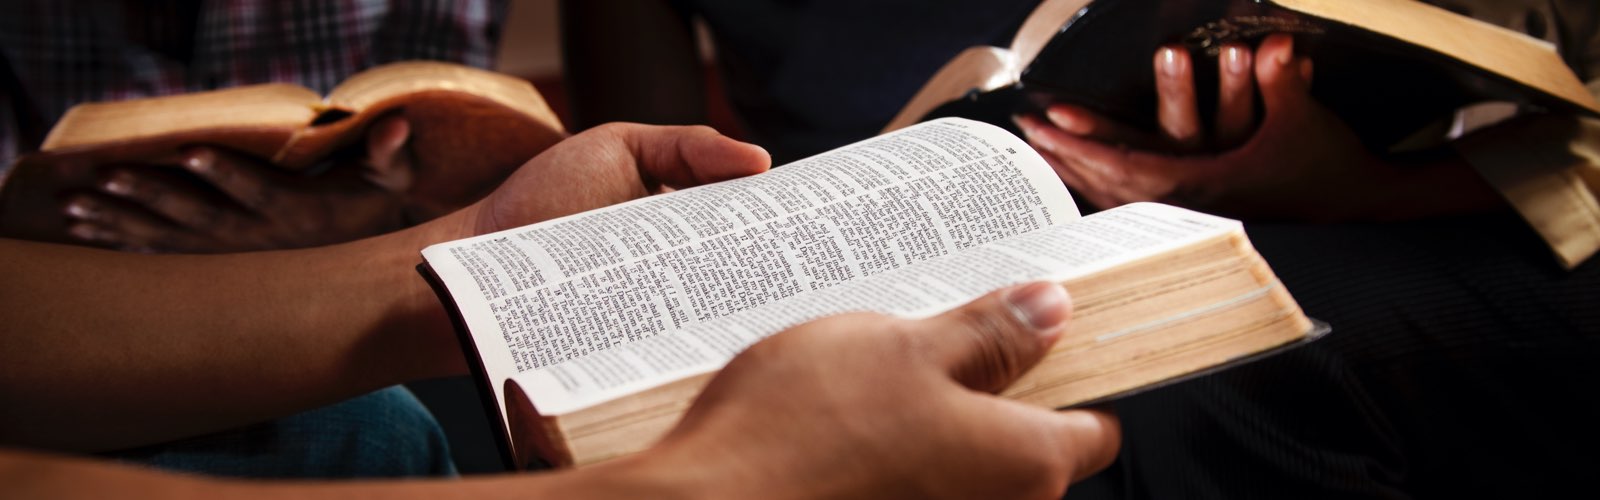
(1385, 88)
(469, 349)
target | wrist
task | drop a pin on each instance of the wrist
(1429, 184)
(649, 474)
(417, 330)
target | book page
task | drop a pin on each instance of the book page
(1057, 253)
(581, 285)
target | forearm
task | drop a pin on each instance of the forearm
(1431, 184)
(104, 350)
(24, 475)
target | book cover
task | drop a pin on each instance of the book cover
(1387, 67)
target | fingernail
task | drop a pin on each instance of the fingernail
(1170, 65)
(80, 209)
(1060, 118)
(198, 161)
(1305, 69)
(118, 185)
(87, 232)
(400, 133)
(1021, 124)
(1042, 305)
(1237, 60)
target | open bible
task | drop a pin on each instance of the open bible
(594, 332)
(1386, 67)
(466, 123)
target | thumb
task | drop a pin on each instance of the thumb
(388, 161)
(683, 156)
(989, 342)
(1285, 80)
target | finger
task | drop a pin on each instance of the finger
(1084, 123)
(691, 155)
(160, 195)
(242, 179)
(1082, 189)
(989, 342)
(104, 221)
(1175, 102)
(1047, 142)
(1090, 439)
(1235, 96)
(1066, 171)
(389, 163)
(93, 234)
(1090, 177)
(1285, 80)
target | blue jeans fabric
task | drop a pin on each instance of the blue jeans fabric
(387, 433)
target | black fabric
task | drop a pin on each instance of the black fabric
(807, 76)
(1462, 364)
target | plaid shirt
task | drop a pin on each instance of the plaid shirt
(57, 53)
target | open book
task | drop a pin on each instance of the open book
(594, 332)
(1387, 67)
(461, 118)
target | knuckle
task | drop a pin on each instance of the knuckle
(615, 129)
(83, 207)
(701, 130)
(993, 358)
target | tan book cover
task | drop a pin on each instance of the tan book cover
(462, 119)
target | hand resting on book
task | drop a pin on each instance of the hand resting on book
(1299, 162)
(241, 203)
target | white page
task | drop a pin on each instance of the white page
(580, 285)
(1088, 245)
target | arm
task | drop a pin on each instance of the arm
(103, 350)
(775, 424)
(630, 60)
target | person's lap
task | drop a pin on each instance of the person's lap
(1459, 364)
(386, 433)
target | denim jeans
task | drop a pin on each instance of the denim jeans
(387, 433)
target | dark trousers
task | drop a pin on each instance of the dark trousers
(1463, 363)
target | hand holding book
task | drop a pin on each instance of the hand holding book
(1299, 162)
(611, 164)
(331, 322)
(391, 146)
(591, 333)
(895, 398)
(241, 202)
